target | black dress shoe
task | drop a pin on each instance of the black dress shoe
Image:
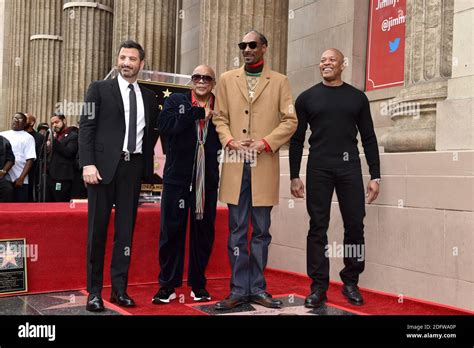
(122, 300)
(316, 299)
(231, 302)
(94, 303)
(353, 295)
(266, 300)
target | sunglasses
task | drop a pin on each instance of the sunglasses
(204, 78)
(252, 44)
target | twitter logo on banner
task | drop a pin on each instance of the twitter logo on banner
(394, 44)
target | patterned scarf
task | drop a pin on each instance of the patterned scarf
(200, 160)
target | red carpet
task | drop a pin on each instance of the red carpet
(284, 283)
(60, 231)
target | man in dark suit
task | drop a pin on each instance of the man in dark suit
(191, 178)
(115, 152)
(61, 160)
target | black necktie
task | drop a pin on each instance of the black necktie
(132, 121)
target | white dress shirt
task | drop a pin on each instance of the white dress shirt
(125, 91)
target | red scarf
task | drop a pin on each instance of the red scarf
(62, 134)
(256, 65)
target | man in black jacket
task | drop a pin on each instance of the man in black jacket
(7, 160)
(34, 175)
(116, 135)
(61, 160)
(190, 178)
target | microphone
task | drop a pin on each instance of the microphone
(51, 134)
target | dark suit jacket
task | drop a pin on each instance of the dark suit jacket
(102, 133)
(63, 157)
(179, 127)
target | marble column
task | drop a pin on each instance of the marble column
(19, 57)
(45, 49)
(224, 22)
(455, 115)
(4, 62)
(428, 55)
(152, 24)
(88, 33)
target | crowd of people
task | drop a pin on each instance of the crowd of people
(40, 165)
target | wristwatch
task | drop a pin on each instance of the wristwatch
(378, 180)
(3, 171)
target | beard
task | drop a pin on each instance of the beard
(128, 72)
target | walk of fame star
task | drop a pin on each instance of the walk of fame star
(70, 301)
(9, 257)
(167, 93)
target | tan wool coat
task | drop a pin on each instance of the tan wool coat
(270, 115)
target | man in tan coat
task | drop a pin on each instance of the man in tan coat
(255, 117)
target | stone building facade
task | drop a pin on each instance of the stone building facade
(420, 231)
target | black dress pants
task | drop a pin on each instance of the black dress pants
(123, 191)
(176, 202)
(320, 185)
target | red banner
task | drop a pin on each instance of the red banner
(386, 44)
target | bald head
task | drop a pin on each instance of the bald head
(331, 66)
(335, 52)
(203, 81)
(204, 70)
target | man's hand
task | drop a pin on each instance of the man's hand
(372, 191)
(19, 182)
(91, 175)
(297, 188)
(239, 146)
(258, 146)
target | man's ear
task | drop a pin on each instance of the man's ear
(142, 64)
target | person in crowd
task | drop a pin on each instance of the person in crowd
(42, 128)
(62, 153)
(7, 160)
(34, 174)
(23, 146)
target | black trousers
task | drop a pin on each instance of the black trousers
(320, 185)
(123, 191)
(58, 190)
(20, 194)
(176, 202)
(6, 191)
